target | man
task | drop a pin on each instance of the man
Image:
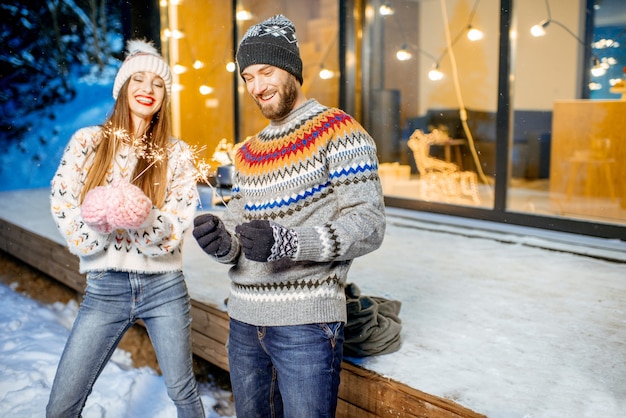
(305, 202)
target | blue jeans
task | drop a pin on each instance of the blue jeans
(288, 371)
(113, 302)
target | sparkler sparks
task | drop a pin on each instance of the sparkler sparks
(144, 149)
(203, 170)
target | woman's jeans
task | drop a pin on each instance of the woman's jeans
(113, 302)
(288, 371)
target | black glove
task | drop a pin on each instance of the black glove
(266, 240)
(211, 235)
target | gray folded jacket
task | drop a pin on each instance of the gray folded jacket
(373, 326)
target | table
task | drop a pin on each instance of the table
(447, 150)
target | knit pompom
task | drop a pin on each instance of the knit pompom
(135, 46)
(128, 206)
(94, 209)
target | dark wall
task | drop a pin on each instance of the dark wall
(141, 19)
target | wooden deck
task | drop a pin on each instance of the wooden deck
(362, 394)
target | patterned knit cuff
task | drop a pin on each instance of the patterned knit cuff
(285, 242)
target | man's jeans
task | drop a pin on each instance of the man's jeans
(288, 371)
(113, 302)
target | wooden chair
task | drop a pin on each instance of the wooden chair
(599, 161)
(442, 180)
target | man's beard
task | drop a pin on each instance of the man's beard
(288, 97)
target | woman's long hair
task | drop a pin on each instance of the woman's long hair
(151, 172)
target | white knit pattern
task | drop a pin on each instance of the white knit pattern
(152, 248)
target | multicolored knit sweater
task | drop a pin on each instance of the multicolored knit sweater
(315, 172)
(153, 249)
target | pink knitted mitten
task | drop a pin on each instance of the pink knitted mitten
(94, 209)
(128, 206)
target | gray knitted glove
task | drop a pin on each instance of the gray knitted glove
(266, 240)
(211, 235)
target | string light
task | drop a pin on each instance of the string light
(179, 69)
(598, 69)
(474, 34)
(386, 9)
(403, 54)
(540, 28)
(435, 74)
(326, 74)
(204, 90)
(173, 34)
(243, 15)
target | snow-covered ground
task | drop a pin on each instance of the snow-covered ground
(505, 324)
(32, 337)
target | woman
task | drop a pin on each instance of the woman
(122, 197)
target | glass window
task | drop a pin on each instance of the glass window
(197, 39)
(540, 143)
(569, 131)
(433, 90)
(317, 29)
(209, 100)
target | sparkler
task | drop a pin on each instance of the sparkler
(140, 145)
(152, 154)
(143, 149)
(203, 170)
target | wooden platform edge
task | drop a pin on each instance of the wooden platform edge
(362, 393)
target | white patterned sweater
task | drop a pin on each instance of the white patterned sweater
(153, 249)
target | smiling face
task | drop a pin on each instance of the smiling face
(146, 92)
(274, 90)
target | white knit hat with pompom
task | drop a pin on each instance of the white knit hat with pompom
(142, 56)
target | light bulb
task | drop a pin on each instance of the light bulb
(243, 15)
(598, 71)
(595, 86)
(176, 34)
(231, 67)
(474, 34)
(435, 74)
(537, 31)
(386, 10)
(403, 55)
(179, 69)
(540, 28)
(204, 90)
(325, 74)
